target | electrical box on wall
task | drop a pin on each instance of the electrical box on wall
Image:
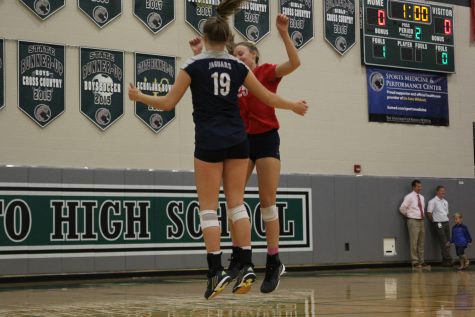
(389, 246)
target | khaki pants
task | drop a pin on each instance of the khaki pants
(416, 240)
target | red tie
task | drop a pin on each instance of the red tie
(419, 204)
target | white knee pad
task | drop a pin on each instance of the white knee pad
(237, 213)
(269, 213)
(208, 218)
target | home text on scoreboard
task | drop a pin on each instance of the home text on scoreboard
(408, 34)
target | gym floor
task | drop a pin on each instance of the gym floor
(391, 292)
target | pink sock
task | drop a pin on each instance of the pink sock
(272, 250)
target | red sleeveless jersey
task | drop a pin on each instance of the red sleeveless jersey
(257, 116)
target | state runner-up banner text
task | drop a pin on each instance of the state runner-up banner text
(407, 97)
(64, 220)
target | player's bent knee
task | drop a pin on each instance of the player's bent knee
(238, 213)
(269, 213)
(208, 218)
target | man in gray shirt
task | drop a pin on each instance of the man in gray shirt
(438, 213)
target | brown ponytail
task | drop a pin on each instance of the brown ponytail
(217, 27)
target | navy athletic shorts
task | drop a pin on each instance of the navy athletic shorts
(265, 144)
(238, 151)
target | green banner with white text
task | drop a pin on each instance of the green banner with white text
(56, 220)
(41, 74)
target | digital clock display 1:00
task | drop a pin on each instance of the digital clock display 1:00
(410, 12)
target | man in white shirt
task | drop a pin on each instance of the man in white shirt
(413, 209)
(438, 214)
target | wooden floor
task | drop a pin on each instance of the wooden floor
(364, 292)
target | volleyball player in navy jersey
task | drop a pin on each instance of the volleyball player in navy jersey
(221, 146)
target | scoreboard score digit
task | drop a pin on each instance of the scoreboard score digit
(408, 34)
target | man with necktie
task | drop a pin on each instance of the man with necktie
(413, 209)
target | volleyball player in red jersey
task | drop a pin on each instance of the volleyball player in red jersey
(262, 129)
(221, 145)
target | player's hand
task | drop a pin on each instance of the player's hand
(134, 93)
(196, 45)
(282, 23)
(300, 107)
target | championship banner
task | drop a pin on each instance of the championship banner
(154, 75)
(155, 14)
(41, 81)
(253, 20)
(407, 97)
(2, 73)
(339, 24)
(300, 13)
(101, 85)
(101, 12)
(43, 9)
(68, 220)
(198, 11)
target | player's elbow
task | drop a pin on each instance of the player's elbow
(296, 64)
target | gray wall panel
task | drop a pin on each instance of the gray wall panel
(109, 264)
(77, 265)
(139, 177)
(170, 178)
(368, 200)
(393, 224)
(77, 176)
(13, 267)
(109, 177)
(140, 263)
(324, 219)
(44, 175)
(44, 266)
(361, 211)
(16, 174)
(346, 218)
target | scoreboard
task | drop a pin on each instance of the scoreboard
(408, 34)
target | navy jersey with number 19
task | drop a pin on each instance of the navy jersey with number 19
(215, 81)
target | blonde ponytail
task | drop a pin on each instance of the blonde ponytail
(217, 27)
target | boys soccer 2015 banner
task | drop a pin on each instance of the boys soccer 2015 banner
(253, 20)
(155, 14)
(67, 220)
(300, 13)
(154, 75)
(101, 85)
(407, 97)
(2, 73)
(41, 81)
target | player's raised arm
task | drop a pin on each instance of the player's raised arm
(293, 62)
(167, 102)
